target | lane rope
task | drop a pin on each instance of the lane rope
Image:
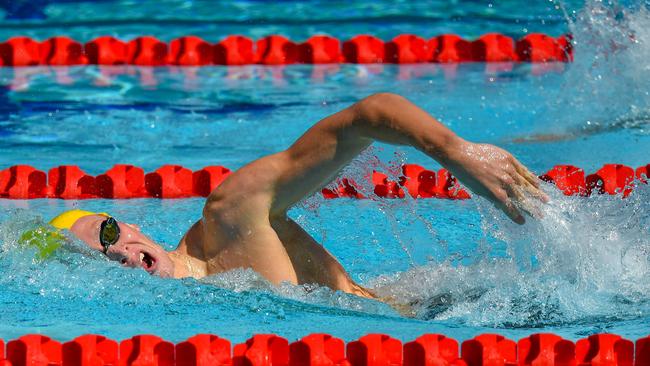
(323, 349)
(174, 181)
(279, 50)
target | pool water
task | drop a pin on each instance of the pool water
(168, 19)
(582, 268)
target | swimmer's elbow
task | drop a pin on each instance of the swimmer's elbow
(376, 108)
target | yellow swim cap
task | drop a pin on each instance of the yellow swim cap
(46, 240)
(68, 218)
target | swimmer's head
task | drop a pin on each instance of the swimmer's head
(124, 243)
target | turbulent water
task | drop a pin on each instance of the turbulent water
(585, 259)
(458, 268)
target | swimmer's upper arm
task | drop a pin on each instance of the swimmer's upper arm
(237, 231)
(316, 158)
(321, 152)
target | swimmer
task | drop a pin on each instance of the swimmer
(244, 222)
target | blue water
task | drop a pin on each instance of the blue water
(298, 20)
(583, 268)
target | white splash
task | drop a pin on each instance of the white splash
(607, 85)
(586, 258)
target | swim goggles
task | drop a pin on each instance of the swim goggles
(109, 233)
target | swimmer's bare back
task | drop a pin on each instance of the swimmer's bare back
(245, 222)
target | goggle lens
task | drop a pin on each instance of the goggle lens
(109, 233)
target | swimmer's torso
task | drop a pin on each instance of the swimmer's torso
(310, 261)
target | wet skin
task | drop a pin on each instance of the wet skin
(244, 222)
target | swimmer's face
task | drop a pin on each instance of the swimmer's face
(133, 249)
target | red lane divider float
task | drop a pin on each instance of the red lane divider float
(605, 349)
(276, 50)
(90, 350)
(146, 51)
(234, 50)
(546, 349)
(642, 352)
(203, 349)
(542, 48)
(62, 51)
(146, 350)
(262, 349)
(542, 349)
(174, 181)
(620, 177)
(432, 349)
(20, 51)
(106, 50)
(34, 349)
(489, 349)
(449, 48)
(320, 50)
(190, 51)
(318, 349)
(279, 50)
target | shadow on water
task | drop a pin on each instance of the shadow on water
(638, 124)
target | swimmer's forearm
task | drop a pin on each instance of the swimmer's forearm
(320, 154)
(485, 169)
(393, 119)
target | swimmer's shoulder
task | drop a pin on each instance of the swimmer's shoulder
(248, 191)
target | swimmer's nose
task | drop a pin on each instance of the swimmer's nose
(123, 255)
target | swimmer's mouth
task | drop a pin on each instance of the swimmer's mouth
(147, 262)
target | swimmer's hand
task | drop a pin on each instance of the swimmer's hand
(496, 175)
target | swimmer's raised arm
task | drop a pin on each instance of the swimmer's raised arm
(244, 219)
(317, 156)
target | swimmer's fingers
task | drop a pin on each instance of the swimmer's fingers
(530, 190)
(523, 171)
(504, 201)
(536, 192)
(530, 182)
(522, 194)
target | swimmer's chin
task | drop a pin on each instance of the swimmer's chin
(164, 275)
(168, 272)
(161, 265)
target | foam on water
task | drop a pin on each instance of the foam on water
(586, 259)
